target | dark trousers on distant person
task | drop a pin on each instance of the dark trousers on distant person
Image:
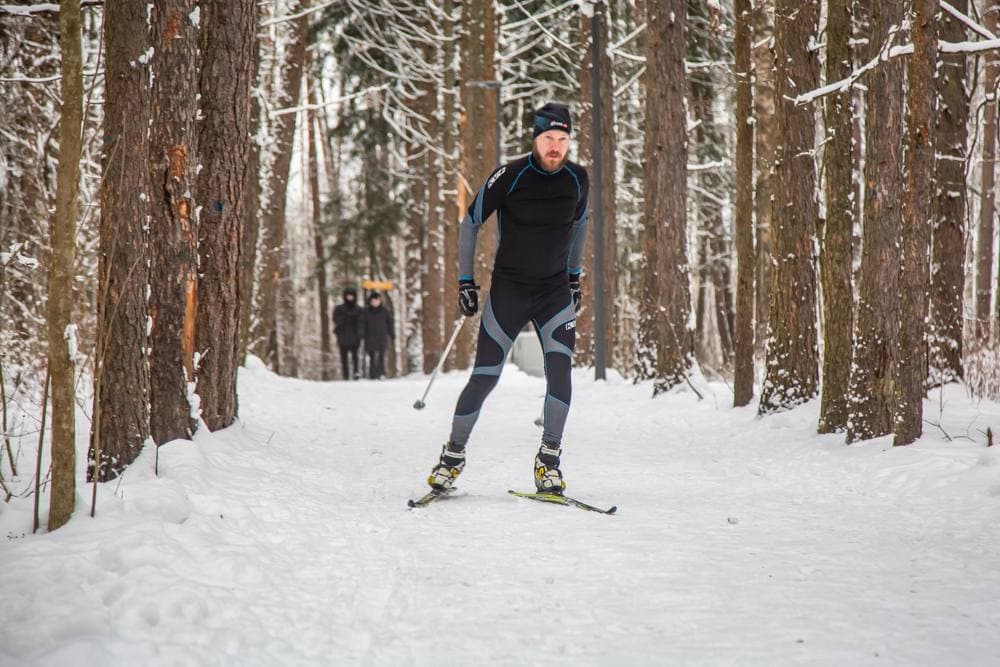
(376, 364)
(349, 353)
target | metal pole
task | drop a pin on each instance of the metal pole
(419, 405)
(597, 210)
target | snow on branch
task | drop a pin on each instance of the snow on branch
(42, 8)
(304, 12)
(329, 103)
(991, 43)
(967, 20)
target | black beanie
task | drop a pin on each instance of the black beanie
(552, 116)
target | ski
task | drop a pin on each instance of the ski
(561, 500)
(430, 497)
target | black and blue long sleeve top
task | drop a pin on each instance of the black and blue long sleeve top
(542, 221)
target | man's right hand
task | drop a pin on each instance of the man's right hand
(468, 299)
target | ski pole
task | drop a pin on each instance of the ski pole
(419, 405)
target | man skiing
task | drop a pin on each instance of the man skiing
(541, 206)
(347, 328)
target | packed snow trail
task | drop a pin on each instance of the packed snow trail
(286, 539)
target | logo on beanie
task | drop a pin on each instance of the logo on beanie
(561, 126)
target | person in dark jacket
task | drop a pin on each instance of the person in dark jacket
(376, 330)
(347, 327)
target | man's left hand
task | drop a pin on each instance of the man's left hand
(576, 292)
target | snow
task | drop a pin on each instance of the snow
(285, 539)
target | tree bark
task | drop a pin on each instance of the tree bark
(837, 255)
(173, 236)
(319, 240)
(62, 334)
(454, 193)
(792, 357)
(877, 317)
(121, 393)
(228, 36)
(666, 303)
(607, 181)
(478, 136)
(432, 283)
(987, 187)
(743, 210)
(950, 202)
(765, 143)
(251, 209)
(274, 336)
(911, 365)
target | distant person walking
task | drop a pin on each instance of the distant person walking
(347, 327)
(377, 329)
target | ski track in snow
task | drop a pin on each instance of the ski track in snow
(285, 540)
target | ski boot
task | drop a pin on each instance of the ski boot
(449, 467)
(548, 478)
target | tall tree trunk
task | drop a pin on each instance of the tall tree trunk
(173, 236)
(948, 262)
(229, 30)
(414, 234)
(877, 317)
(765, 144)
(987, 211)
(792, 357)
(455, 201)
(251, 208)
(743, 213)
(608, 183)
(911, 364)
(837, 255)
(432, 283)
(666, 303)
(62, 335)
(276, 278)
(319, 239)
(478, 132)
(121, 393)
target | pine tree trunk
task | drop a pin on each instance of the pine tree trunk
(251, 209)
(765, 144)
(454, 195)
(62, 334)
(666, 303)
(584, 353)
(432, 267)
(121, 394)
(948, 263)
(792, 357)
(275, 330)
(911, 365)
(319, 241)
(228, 36)
(743, 210)
(837, 253)
(877, 317)
(478, 133)
(173, 236)
(987, 189)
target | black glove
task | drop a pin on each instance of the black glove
(468, 299)
(575, 291)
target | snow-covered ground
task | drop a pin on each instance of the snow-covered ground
(286, 539)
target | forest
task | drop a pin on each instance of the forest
(794, 197)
